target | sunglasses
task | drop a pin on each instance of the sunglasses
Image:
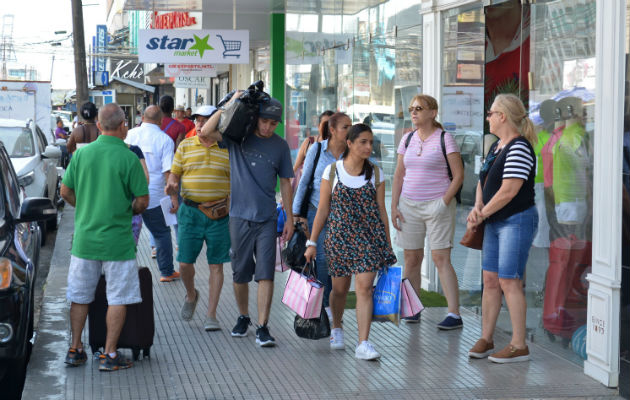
(416, 109)
(493, 112)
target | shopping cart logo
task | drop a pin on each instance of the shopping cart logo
(230, 47)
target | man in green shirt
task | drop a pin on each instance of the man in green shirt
(106, 184)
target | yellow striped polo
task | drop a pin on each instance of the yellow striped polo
(204, 171)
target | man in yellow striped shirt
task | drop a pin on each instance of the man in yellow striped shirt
(203, 170)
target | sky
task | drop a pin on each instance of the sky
(36, 21)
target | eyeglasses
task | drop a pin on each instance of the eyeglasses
(419, 153)
(416, 109)
(493, 112)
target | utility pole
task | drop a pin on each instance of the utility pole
(80, 69)
(7, 53)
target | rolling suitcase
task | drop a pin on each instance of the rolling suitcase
(566, 288)
(139, 328)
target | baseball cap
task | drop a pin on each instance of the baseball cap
(180, 107)
(271, 110)
(205, 111)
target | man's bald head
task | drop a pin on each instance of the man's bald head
(110, 116)
(153, 115)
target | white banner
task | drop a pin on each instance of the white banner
(175, 70)
(189, 46)
(192, 82)
(306, 48)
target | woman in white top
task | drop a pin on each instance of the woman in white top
(352, 203)
(423, 201)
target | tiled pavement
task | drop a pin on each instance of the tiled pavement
(418, 361)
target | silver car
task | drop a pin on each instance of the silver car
(34, 160)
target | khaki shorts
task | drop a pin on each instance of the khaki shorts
(121, 277)
(432, 217)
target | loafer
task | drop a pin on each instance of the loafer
(188, 309)
(481, 349)
(510, 354)
(211, 324)
(451, 323)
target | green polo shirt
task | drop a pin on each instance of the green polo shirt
(105, 177)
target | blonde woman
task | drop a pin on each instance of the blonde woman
(423, 201)
(505, 201)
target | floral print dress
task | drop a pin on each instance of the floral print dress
(356, 241)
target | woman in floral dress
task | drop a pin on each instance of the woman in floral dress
(352, 199)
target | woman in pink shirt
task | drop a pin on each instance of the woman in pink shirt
(423, 201)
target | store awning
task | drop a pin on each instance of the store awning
(137, 85)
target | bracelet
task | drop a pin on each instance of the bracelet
(310, 243)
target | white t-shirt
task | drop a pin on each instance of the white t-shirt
(354, 182)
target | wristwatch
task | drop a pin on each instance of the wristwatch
(310, 243)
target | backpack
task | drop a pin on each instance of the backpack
(333, 170)
(458, 195)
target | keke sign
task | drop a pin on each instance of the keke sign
(127, 69)
(189, 46)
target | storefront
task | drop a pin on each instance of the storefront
(559, 57)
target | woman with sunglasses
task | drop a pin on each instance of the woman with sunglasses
(423, 202)
(352, 204)
(505, 201)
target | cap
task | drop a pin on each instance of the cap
(271, 110)
(180, 107)
(205, 111)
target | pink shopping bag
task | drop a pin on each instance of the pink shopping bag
(303, 295)
(280, 266)
(410, 303)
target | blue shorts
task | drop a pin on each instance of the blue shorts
(506, 244)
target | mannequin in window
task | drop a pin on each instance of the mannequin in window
(570, 164)
(546, 112)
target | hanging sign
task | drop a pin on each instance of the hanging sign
(194, 82)
(189, 46)
(127, 69)
(175, 70)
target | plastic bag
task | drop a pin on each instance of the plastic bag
(293, 253)
(387, 295)
(314, 329)
(239, 118)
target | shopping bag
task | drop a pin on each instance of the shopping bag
(303, 294)
(387, 295)
(280, 266)
(314, 328)
(410, 303)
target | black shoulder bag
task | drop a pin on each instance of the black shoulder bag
(309, 189)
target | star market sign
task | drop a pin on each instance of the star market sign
(189, 46)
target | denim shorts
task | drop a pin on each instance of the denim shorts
(506, 244)
(121, 277)
(195, 228)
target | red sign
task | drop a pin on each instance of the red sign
(175, 19)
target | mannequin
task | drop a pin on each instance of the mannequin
(546, 112)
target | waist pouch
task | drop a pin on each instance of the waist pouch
(217, 209)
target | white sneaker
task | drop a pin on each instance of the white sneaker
(365, 351)
(336, 339)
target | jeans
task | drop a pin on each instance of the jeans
(154, 221)
(506, 244)
(320, 258)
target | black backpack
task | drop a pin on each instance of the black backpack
(458, 195)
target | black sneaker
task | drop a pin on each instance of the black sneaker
(414, 319)
(74, 358)
(113, 364)
(263, 338)
(240, 329)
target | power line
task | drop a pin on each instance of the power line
(6, 43)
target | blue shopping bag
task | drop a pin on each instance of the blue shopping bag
(387, 295)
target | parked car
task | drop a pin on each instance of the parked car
(35, 161)
(20, 239)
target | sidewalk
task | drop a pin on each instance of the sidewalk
(418, 361)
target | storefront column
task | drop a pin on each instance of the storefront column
(431, 85)
(602, 341)
(276, 62)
